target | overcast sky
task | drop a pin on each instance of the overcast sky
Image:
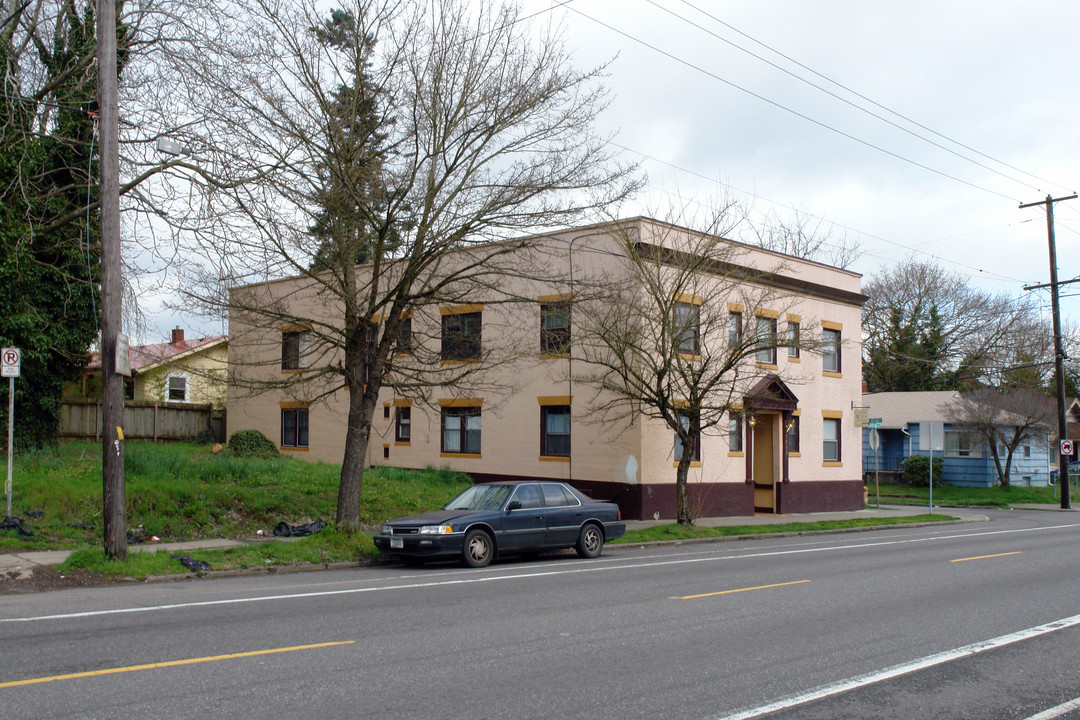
(992, 84)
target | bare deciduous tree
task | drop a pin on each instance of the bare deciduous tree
(805, 236)
(927, 329)
(1003, 419)
(661, 341)
(382, 155)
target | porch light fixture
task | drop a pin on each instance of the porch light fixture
(752, 420)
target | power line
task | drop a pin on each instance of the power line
(786, 109)
(834, 95)
(861, 97)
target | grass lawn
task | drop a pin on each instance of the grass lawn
(973, 497)
(182, 491)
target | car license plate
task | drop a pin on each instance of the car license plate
(396, 543)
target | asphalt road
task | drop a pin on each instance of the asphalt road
(979, 620)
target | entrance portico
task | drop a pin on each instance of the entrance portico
(769, 408)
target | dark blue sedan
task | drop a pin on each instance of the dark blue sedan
(504, 518)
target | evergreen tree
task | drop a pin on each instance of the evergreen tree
(49, 266)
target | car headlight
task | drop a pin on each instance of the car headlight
(387, 529)
(436, 530)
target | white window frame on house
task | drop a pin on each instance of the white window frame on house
(169, 388)
(962, 444)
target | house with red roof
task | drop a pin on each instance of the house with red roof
(183, 370)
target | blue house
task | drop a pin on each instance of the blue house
(914, 422)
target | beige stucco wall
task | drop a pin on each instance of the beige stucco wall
(619, 452)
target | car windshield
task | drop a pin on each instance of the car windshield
(481, 497)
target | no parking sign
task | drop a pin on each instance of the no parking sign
(10, 360)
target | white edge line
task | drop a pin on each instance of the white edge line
(904, 668)
(1058, 711)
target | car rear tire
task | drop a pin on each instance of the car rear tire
(479, 549)
(590, 541)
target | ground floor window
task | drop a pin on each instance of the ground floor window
(555, 430)
(294, 427)
(461, 430)
(176, 388)
(403, 425)
(831, 443)
(685, 419)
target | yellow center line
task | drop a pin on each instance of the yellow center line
(728, 592)
(170, 663)
(984, 557)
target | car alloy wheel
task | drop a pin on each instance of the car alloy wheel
(478, 550)
(590, 541)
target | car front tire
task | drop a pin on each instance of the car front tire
(590, 542)
(479, 549)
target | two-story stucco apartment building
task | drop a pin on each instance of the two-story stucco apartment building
(792, 446)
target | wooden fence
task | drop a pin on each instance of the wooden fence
(144, 420)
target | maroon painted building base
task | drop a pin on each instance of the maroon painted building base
(649, 502)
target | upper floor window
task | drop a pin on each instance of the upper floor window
(734, 329)
(686, 328)
(792, 340)
(830, 351)
(294, 349)
(405, 339)
(766, 339)
(461, 336)
(555, 328)
(555, 430)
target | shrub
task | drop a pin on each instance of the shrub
(916, 469)
(251, 443)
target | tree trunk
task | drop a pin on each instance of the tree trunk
(358, 432)
(357, 435)
(682, 498)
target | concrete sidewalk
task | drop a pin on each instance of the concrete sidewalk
(884, 511)
(22, 564)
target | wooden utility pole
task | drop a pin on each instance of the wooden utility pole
(1059, 353)
(114, 509)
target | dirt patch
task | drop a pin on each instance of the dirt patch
(43, 579)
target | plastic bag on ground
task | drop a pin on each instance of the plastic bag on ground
(14, 523)
(195, 566)
(284, 529)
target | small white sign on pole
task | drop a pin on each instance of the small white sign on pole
(10, 362)
(1066, 447)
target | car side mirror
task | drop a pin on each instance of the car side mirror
(514, 505)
